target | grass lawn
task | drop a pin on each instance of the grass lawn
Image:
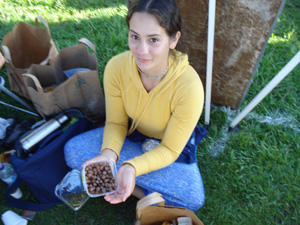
(251, 176)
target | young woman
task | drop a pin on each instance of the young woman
(151, 93)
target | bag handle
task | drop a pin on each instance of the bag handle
(35, 81)
(88, 43)
(2, 60)
(14, 76)
(43, 22)
(21, 204)
(6, 53)
(153, 198)
(53, 51)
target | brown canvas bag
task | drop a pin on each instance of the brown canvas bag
(52, 92)
(25, 45)
(149, 214)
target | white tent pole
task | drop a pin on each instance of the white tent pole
(2, 81)
(267, 89)
(16, 98)
(15, 107)
(210, 52)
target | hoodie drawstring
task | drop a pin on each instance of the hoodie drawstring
(136, 121)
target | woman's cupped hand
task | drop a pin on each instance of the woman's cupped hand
(126, 181)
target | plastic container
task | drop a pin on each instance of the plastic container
(73, 188)
(70, 190)
(8, 175)
(105, 179)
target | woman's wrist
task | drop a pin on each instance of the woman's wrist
(130, 168)
(110, 154)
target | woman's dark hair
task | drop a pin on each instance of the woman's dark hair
(166, 11)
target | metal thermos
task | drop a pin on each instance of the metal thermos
(33, 138)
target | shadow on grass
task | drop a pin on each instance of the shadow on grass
(78, 4)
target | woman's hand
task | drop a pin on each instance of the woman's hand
(105, 154)
(126, 180)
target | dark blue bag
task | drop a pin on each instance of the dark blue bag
(45, 168)
(188, 154)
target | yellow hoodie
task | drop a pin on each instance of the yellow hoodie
(169, 112)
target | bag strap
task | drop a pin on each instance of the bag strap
(17, 79)
(2, 60)
(36, 82)
(151, 199)
(88, 43)
(6, 53)
(43, 22)
(21, 204)
(52, 51)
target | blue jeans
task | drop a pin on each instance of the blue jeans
(180, 184)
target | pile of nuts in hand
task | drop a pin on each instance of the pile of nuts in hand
(99, 178)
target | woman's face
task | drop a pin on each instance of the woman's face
(149, 43)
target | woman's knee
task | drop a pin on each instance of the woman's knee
(197, 201)
(82, 147)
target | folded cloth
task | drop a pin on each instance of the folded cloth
(71, 72)
(10, 121)
(3, 125)
(13, 132)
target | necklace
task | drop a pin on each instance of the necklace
(154, 76)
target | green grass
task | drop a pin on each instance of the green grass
(251, 176)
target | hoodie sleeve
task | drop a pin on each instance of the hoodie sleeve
(116, 118)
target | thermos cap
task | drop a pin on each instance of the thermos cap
(62, 118)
